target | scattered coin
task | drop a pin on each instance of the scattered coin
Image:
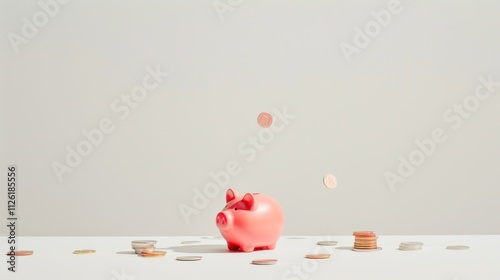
(154, 254)
(327, 243)
(265, 261)
(457, 247)
(189, 258)
(84, 252)
(410, 246)
(190, 242)
(265, 119)
(21, 253)
(318, 256)
(330, 181)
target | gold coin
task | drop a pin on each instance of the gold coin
(265, 261)
(84, 252)
(318, 256)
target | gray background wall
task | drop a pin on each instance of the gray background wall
(353, 119)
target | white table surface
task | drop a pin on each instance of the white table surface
(53, 258)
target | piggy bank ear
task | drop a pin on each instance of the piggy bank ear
(230, 195)
(248, 201)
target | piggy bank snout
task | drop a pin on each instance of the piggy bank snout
(223, 221)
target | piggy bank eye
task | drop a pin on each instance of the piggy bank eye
(235, 209)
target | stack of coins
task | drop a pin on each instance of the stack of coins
(365, 241)
(410, 246)
(146, 246)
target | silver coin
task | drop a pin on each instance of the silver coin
(367, 250)
(327, 243)
(457, 247)
(410, 249)
(189, 258)
(412, 243)
(190, 242)
(265, 261)
(141, 242)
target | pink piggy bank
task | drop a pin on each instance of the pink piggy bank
(250, 221)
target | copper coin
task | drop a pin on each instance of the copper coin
(368, 238)
(365, 242)
(154, 254)
(363, 233)
(318, 256)
(365, 247)
(329, 181)
(265, 119)
(21, 253)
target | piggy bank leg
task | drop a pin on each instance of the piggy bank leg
(271, 247)
(246, 248)
(232, 247)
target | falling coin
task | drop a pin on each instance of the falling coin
(21, 253)
(327, 243)
(457, 247)
(318, 256)
(154, 254)
(189, 258)
(330, 181)
(264, 261)
(265, 119)
(84, 252)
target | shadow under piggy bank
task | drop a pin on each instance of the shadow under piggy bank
(200, 249)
